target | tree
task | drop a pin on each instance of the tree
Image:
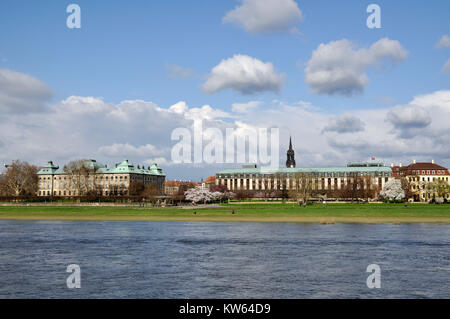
(198, 194)
(354, 189)
(151, 191)
(217, 196)
(136, 188)
(393, 190)
(3, 191)
(219, 188)
(369, 189)
(81, 178)
(21, 179)
(266, 190)
(243, 194)
(302, 188)
(406, 186)
(439, 188)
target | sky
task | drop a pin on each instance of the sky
(118, 86)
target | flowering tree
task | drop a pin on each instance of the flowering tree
(393, 190)
(217, 195)
(198, 194)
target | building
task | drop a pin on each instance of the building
(174, 188)
(290, 162)
(209, 182)
(324, 179)
(94, 176)
(419, 175)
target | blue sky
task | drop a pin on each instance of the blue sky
(123, 51)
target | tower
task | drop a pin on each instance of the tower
(290, 162)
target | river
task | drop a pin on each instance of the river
(222, 260)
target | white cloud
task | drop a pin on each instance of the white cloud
(21, 92)
(444, 42)
(245, 107)
(267, 16)
(160, 161)
(244, 74)
(127, 150)
(408, 120)
(88, 127)
(206, 112)
(339, 68)
(176, 71)
(345, 123)
(446, 68)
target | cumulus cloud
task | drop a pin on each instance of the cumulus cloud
(89, 127)
(408, 119)
(244, 74)
(345, 123)
(245, 107)
(446, 68)
(127, 149)
(21, 92)
(206, 112)
(340, 68)
(444, 42)
(160, 161)
(256, 16)
(178, 72)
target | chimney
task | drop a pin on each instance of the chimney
(392, 164)
(432, 161)
(400, 165)
(414, 161)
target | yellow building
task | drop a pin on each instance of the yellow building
(94, 176)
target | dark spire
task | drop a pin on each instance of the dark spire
(290, 162)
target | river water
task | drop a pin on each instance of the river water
(222, 260)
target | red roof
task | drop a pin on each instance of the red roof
(425, 166)
(210, 179)
(178, 183)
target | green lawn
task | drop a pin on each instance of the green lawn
(333, 213)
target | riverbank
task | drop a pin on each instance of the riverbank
(339, 213)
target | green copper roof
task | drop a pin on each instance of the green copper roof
(124, 167)
(48, 168)
(382, 169)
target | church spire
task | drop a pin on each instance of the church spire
(290, 162)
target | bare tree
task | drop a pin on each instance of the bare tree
(406, 186)
(302, 188)
(3, 191)
(136, 188)
(21, 179)
(369, 189)
(354, 189)
(81, 178)
(151, 191)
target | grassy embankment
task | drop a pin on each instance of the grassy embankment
(333, 213)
